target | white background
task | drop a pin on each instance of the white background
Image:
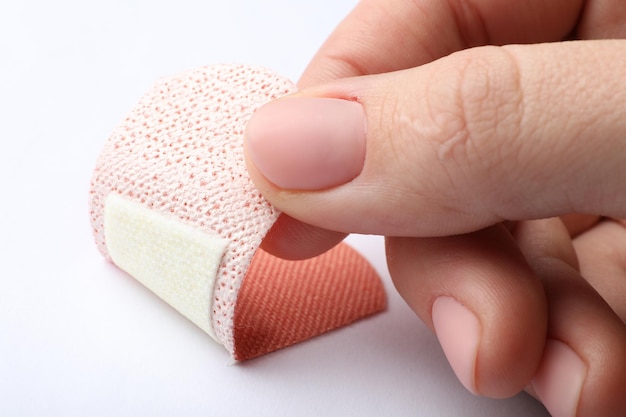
(80, 338)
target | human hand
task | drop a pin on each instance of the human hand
(452, 157)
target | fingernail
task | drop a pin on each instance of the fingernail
(305, 143)
(559, 380)
(458, 331)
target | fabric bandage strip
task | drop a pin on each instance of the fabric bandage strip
(172, 204)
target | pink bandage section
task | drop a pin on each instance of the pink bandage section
(179, 154)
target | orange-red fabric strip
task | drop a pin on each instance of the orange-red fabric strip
(284, 302)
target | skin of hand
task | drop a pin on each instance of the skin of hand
(466, 132)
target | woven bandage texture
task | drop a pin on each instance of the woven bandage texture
(179, 154)
(284, 302)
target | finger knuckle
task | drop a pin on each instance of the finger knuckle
(485, 106)
(476, 105)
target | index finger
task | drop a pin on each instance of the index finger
(387, 35)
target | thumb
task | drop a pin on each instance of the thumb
(480, 136)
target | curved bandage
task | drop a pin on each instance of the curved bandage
(172, 205)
